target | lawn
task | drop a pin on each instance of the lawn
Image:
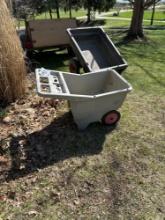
(63, 14)
(159, 15)
(101, 173)
(116, 23)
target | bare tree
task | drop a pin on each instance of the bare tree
(153, 12)
(57, 8)
(136, 27)
(69, 5)
(97, 5)
(26, 9)
(70, 8)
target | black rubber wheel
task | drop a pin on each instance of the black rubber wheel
(111, 118)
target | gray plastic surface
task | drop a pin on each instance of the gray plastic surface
(91, 95)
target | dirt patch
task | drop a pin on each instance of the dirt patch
(22, 118)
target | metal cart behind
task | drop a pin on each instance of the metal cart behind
(94, 50)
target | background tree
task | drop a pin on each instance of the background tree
(136, 27)
(52, 5)
(25, 9)
(57, 7)
(71, 4)
(49, 4)
(153, 12)
(70, 8)
(100, 5)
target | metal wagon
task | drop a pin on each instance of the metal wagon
(93, 96)
(95, 50)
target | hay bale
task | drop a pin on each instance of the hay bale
(12, 65)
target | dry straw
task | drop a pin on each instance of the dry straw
(12, 66)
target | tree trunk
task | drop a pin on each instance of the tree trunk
(57, 9)
(136, 28)
(89, 12)
(70, 9)
(50, 13)
(153, 12)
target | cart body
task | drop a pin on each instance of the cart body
(95, 50)
(91, 95)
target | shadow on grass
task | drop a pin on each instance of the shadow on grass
(57, 142)
(149, 73)
(155, 27)
(51, 59)
(92, 23)
(121, 33)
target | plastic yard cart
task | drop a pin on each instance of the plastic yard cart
(95, 50)
(93, 96)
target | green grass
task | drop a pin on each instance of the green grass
(145, 55)
(159, 15)
(63, 14)
(115, 23)
(99, 173)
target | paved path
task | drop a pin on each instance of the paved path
(105, 16)
(97, 15)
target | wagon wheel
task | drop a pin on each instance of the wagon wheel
(74, 65)
(111, 118)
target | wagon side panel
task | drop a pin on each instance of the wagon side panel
(47, 33)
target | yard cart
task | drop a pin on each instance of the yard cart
(94, 50)
(93, 96)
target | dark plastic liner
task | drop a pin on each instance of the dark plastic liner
(95, 50)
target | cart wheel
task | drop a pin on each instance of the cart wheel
(111, 118)
(74, 66)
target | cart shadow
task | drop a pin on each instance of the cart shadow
(58, 141)
(92, 23)
(51, 59)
